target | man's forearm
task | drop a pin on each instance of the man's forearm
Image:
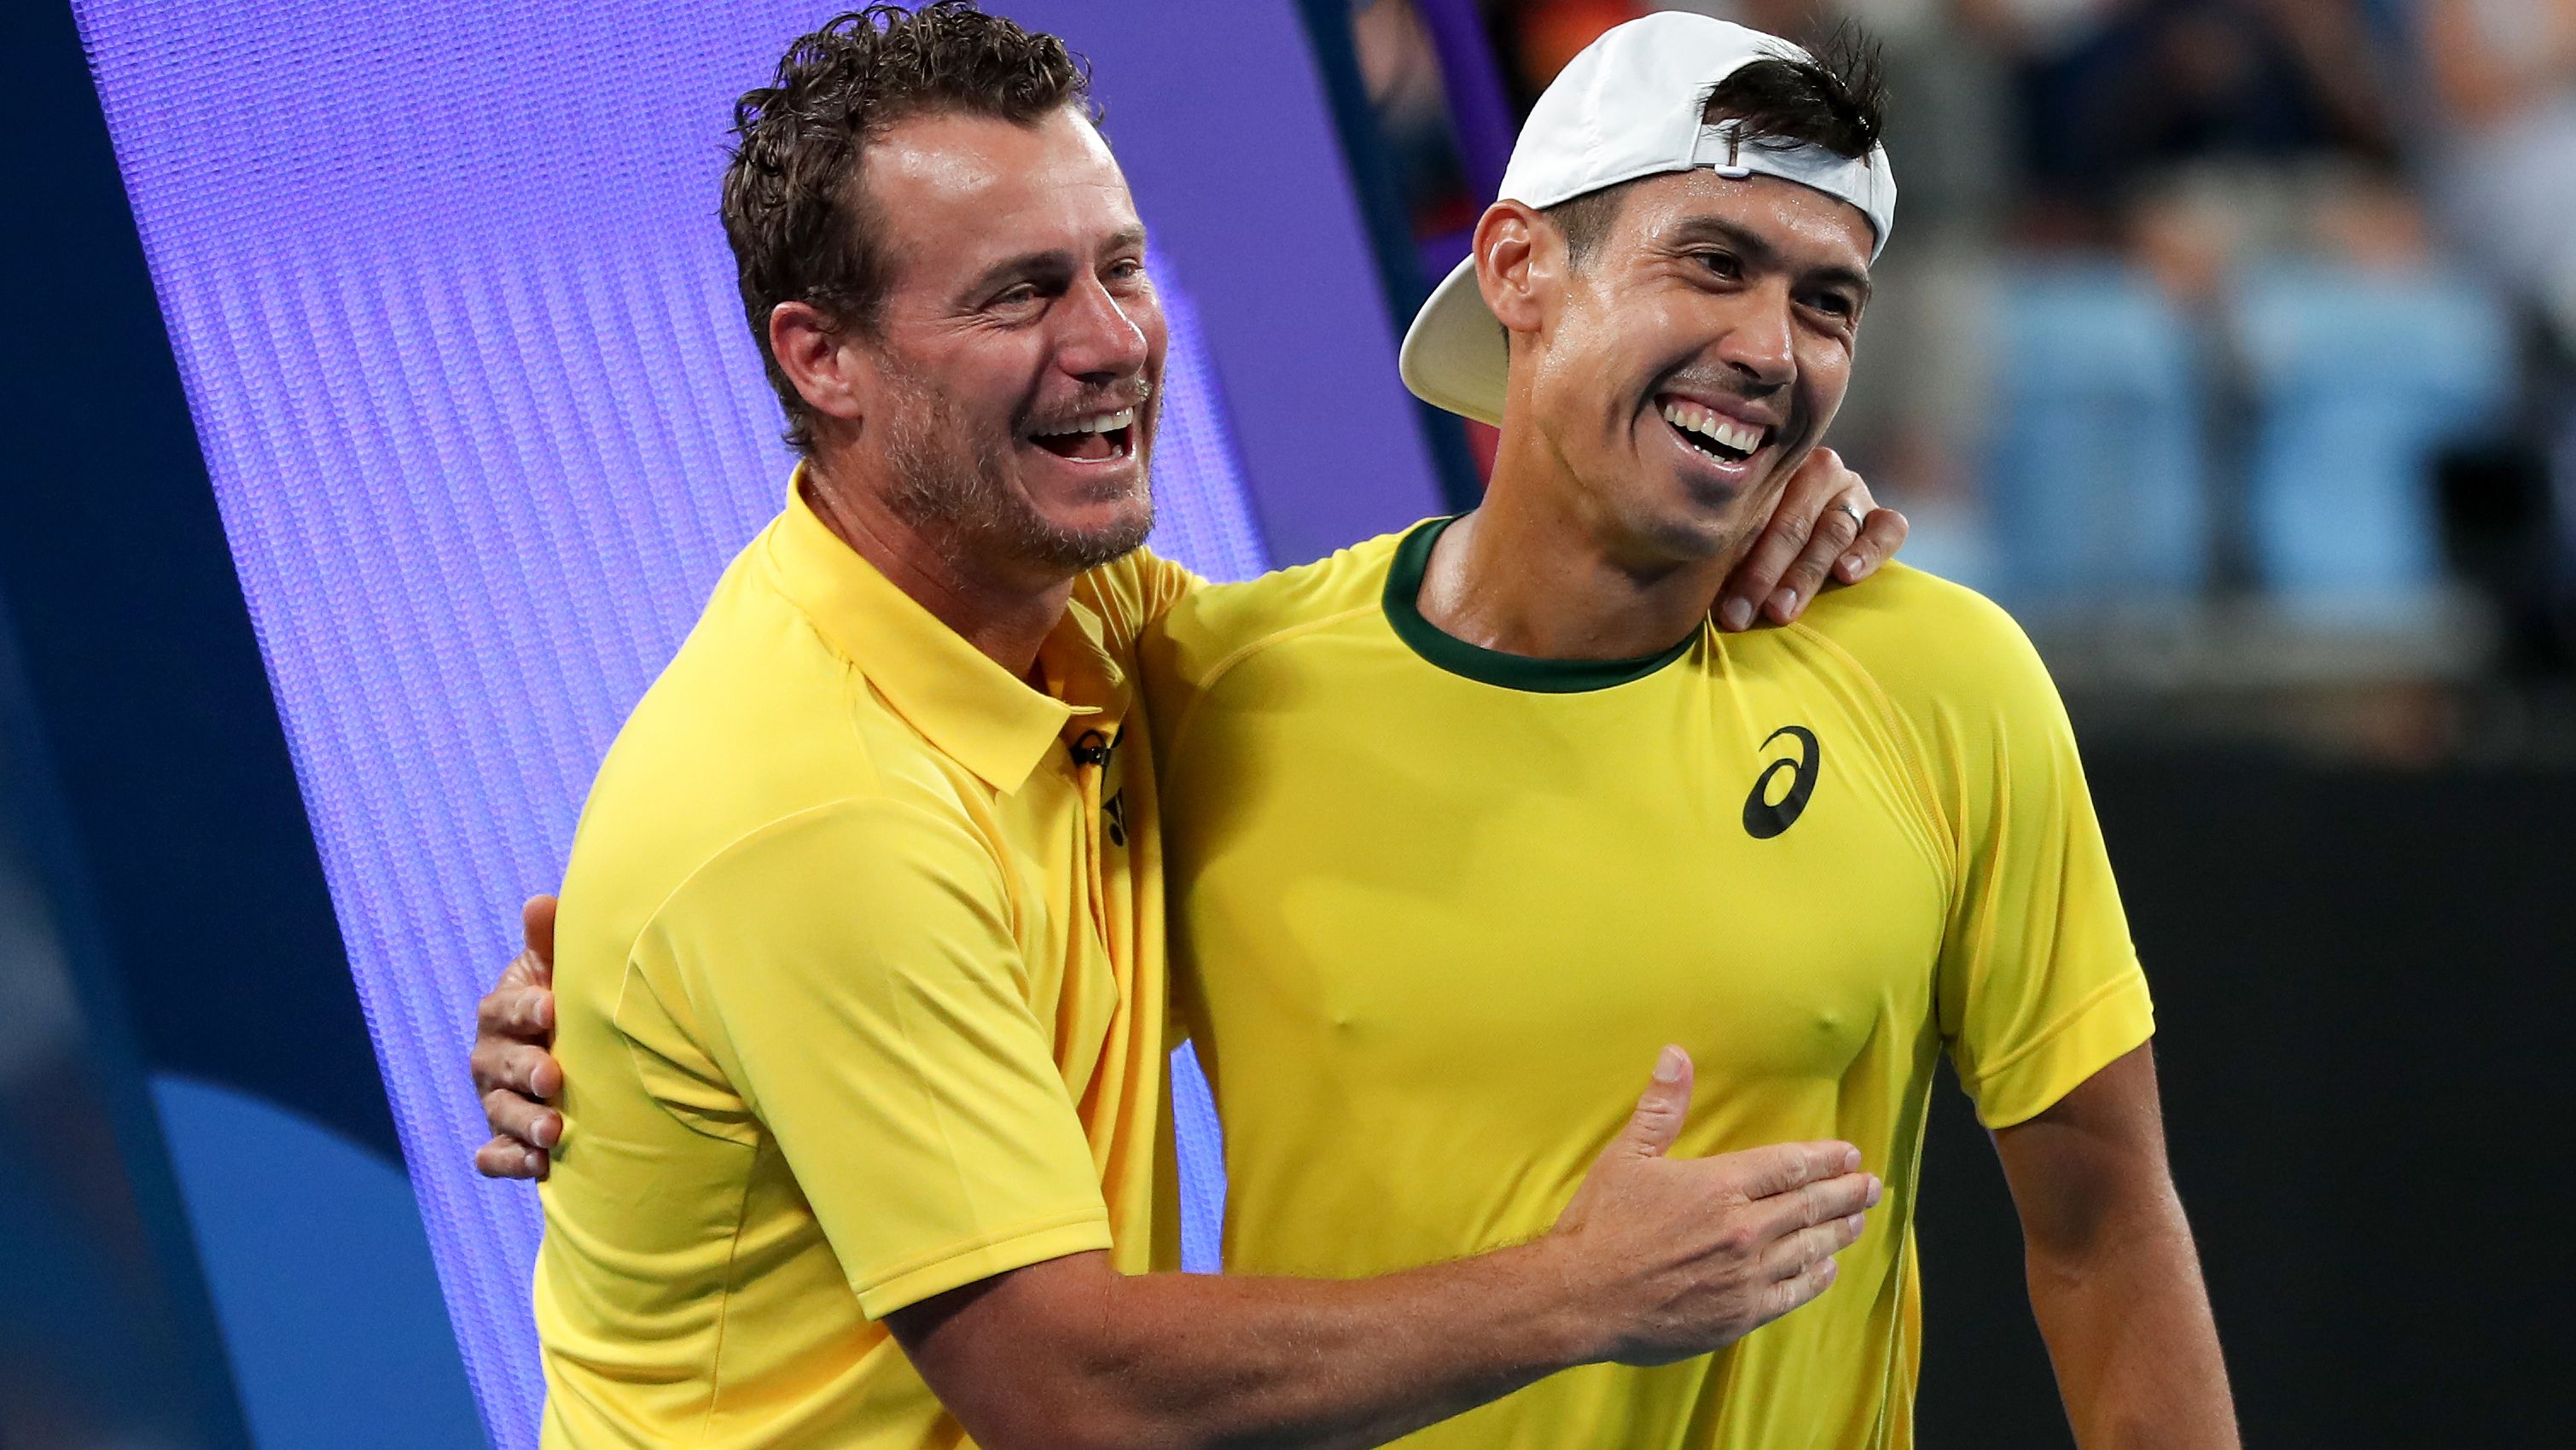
(2129, 1329)
(1073, 1354)
(1654, 1260)
(1207, 1360)
(2114, 1278)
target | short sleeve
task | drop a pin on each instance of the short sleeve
(2039, 981)
(855, 972)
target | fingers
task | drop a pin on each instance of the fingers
(537, 927)
(505, 1158)
(1798, 1289)
(1837, 532)
(516, 1067)
(1822, 1201)
(1817, 1221)
(514, 1024)
(522, 1120)
(1790, 536)
(1881, 535)
(1796, 1253)
(1781, 1167)
(1666, 1101)
(516, 1013)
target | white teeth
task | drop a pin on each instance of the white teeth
(1105, 422)
(1708, 424)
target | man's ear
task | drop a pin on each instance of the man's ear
(1520, 255)
(836, 377)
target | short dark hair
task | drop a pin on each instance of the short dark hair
(796, 208)
(1838, 101)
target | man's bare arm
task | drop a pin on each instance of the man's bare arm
(1655, 1260)
(2114, 1278)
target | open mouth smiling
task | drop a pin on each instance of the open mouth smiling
(1093, 438)
(1720, 437)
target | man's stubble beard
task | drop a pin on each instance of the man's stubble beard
(949, 486)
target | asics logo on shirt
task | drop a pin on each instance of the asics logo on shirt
(1765, 817)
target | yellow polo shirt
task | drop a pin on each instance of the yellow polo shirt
(1436, 908)
(859, 997)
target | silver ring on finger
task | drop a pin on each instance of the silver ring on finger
(1856, 517)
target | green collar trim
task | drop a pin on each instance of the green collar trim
(1493, 667)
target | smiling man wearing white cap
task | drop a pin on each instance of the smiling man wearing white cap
(1461, 822)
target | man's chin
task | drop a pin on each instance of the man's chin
(1087, 537)
(1697, 521)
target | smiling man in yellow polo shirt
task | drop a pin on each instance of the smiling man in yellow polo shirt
(757, 1130)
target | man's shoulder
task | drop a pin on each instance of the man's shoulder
(1221, 625)
(1930, 645)
(756, 720)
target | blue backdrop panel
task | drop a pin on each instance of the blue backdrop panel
(319, 1274)
(458, 331)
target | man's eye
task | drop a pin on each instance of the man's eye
(1723, 264)
(1834, 304)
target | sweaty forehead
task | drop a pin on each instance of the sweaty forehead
(958, 183)
(1805, 226)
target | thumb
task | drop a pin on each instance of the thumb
(1658, 1119)
(537, 924)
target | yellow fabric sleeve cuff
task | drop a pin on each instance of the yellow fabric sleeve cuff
(2113, 1021)
(982, 1259)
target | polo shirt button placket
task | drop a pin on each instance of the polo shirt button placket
(1091, 753)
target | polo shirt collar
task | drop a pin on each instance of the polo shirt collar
(968, 707)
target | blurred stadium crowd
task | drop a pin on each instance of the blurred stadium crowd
(2231, 342)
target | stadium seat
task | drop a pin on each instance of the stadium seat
(2359, 380)
(2097, 482)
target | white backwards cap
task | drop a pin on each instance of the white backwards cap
(1628, 106)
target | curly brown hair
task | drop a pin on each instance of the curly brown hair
(796, 207)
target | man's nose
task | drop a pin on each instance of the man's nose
(1761, 345)
(1104, 335)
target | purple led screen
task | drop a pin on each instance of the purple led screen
(458, 328)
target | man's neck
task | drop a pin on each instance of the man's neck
(1533, 572)
(1005, 617)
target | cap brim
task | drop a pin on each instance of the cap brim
(1455, 355)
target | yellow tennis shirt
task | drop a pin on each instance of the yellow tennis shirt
(1436, 909)
(859, 998)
